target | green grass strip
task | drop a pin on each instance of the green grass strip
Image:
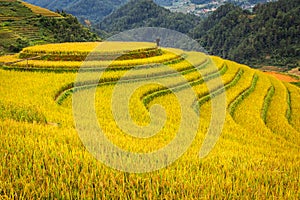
(67, 90)
(221, 89)
(244, 94)
(288, 113)
(296, 83)
(266, 104)
(176, 88)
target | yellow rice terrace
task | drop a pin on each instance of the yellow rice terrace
(79, 51)
(257, 155)
(70, 56)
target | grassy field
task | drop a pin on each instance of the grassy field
(256, 157)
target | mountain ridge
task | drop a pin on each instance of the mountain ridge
(92, 10)
(268, 35)
(265, 36)
(23, 24)
(96, 10)
(146, 13)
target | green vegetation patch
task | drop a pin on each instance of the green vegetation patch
(296, 83)
(266, 103)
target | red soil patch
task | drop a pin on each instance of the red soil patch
(282, 77)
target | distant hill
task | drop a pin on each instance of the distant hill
(23, 24)
(268, 35)
(92, 10)
(96, 10)
(146, 13)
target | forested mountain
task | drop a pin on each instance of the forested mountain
(268, 35)
(93, 10)
(146, 13)
(96, 10)
(23, 24)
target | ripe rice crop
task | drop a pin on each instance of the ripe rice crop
(9, 58)
(84, 48)
(275, 118)
(295, 106)
(41, 11)
(253, 104)
(95, 64)
(42, 155)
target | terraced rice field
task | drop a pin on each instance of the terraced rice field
(41, 11)
(256, 157)
(20, 25)
(23, 8)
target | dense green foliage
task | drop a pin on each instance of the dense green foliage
(93, 10)
(269, 35)
(67, 29)
(20, 27)
(145, 13)
(96, 10)
(266, 36)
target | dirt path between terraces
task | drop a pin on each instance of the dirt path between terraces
(283, 77)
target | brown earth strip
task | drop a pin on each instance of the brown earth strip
(283, 77)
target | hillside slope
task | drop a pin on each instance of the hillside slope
(269, 35)
(145, 13)
(96, 10)
(266, 36)
(23, 24)
(45, 154)
(92, 10)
